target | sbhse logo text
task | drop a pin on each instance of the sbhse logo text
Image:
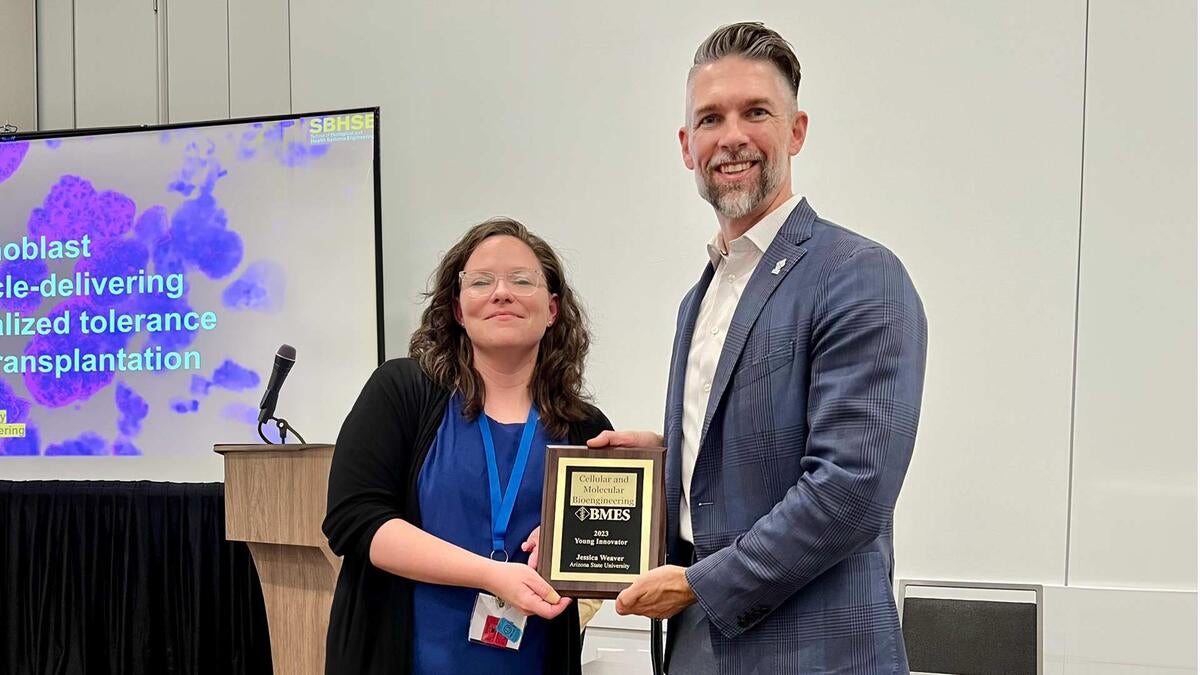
(354, 122)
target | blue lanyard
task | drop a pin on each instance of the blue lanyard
(503, 503)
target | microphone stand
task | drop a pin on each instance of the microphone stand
(283, 427)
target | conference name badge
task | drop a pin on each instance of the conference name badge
(496, 623)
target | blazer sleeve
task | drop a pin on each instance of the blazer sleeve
(867, 373)
(369, 475)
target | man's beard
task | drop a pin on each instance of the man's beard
(737, 201)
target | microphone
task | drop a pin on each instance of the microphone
(285, 358)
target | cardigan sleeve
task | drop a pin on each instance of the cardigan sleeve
(589, 428)
(371, 461)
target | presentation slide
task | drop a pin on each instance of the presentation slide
(148, 276)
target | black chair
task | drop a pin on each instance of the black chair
(965, 636)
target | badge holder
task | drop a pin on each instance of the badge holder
(496, 623)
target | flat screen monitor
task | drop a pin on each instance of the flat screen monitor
(149, 275)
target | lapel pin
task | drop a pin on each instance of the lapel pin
(779, 265)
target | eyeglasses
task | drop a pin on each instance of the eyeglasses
(478, 284)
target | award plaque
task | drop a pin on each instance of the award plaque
(603, 518)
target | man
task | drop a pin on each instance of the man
(792, 405)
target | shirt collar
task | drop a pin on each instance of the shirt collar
(759, 236)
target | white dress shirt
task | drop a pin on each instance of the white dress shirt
(733, 270)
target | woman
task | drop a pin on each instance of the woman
(420, 501)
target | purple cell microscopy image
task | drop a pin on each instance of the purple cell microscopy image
(154, 303)
(184, 406)
(200, 386)
(166, 259)
(132, 409)
(114, 258)
(246, 143)
(195, 161)
(200, 237)
(185, 189)
(26, 446)
(270, 139)
(240, 412)
(74, 208)
(113, 214)
(30, 271)
(66, 206)
(230, 375)
(88, 443)
(15, 408)
(70, 387)
(123, 446)
(299, 154)
(260, 288)
(11, 156)
(54, 392)
(151, 226)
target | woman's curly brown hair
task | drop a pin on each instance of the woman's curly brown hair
(440, 344)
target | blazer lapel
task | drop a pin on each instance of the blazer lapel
(779, 260)
(686, 330)
(674, 440)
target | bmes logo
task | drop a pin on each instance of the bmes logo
(585, 513)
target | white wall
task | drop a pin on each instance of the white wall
(55, 64)
(1049, 229)
(116, 61)
(198, 65)
(18, 59)
(1134, 491)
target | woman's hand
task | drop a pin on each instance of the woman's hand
(531, 546)
(520, 586)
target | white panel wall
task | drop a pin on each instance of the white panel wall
(222, 59)
(116, 63)
(56, 64)
(18, 62)
(565, 117)
(910, 145)
(1134, 500)
(259, 51)
(1095, 631)
(197, 60)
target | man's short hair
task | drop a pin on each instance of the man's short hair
(754, 41)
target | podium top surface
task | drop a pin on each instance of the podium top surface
(223, 448)
(276, 494)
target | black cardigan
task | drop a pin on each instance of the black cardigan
(380, 450)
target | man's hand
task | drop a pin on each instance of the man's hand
(659, 594)
(626, 439)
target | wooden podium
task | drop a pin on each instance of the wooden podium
(275, 502)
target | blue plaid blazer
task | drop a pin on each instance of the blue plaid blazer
(806, 439)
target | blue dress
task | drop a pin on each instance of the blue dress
(456, 507)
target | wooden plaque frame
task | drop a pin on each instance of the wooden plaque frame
(649, 508)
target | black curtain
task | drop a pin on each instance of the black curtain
(125, 578)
